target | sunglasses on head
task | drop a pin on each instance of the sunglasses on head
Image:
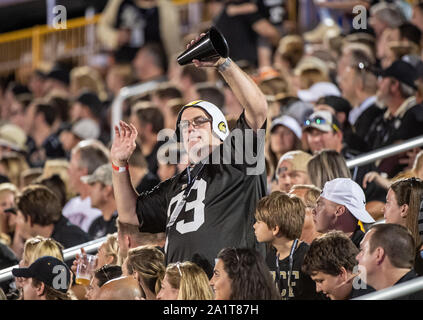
(319, 121)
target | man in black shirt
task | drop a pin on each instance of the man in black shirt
(386, 257)
(39, 213)
(102, 197)
(341, 206)
(210, 205)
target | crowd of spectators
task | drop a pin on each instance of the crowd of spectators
(323, 229)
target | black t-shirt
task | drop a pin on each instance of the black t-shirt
(148, 182)
(357, 236)
(152, 161)
(68, 234)
(219, 210)
(100, 227)
(273, 10)
(142, 23)
(302, 286)
(7, 257)
(239, 34)
(51, 148)
(412, 296)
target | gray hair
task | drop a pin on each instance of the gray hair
(389, 13)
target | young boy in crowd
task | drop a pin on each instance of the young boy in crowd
(331, 263)
(279, 222)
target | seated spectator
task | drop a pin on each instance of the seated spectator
(123, 288)
(142, 178)
(402, 207)
(242, 274)
(61, 168)
(146, 265)
(130, 237)
(118, 76)
(44, 144)
(102, 197)
(386, 257)
(285, 136)
(189, 78)
(108, 252)
(403, 118)
(341, 206)
(322, 131)
(161, 98)
(40, 280)
(57, 79)
(309, 194)
(101, 276)
(35, 248)
(86, 156)
(331, 263)
(39, 213)
(185, 281)
(12, 165)
(55, 184)
(279, 222)
(85, 78)
(8, 192)
(292, 169)
(81, 129)
(148, 122)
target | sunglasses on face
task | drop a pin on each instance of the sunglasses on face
(196, 123)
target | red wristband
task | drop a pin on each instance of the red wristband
(120, 169)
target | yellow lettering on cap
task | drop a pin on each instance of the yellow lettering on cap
(222, 126)
(193, 102)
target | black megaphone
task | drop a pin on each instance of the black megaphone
(209, 47)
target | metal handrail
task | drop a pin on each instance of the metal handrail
(68, 254)
(396, 291)
(385, 152)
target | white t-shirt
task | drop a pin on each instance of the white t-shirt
(80, 212)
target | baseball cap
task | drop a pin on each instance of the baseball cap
(46, 269)
(219, 123)
(91, 100)
(339, 104)
(322, 120)
(347, 192)
(288, 122)
(59, 74)
(318, 90)
(102, 174)
(299, 159)
(401, 71)
(86, 129)
(13, 136)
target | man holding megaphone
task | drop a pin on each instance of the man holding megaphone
(211, 204)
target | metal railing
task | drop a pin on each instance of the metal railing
(385, 152)
(396, 291)
(68, 254)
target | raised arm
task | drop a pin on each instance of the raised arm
(125, 195)
(244, 88)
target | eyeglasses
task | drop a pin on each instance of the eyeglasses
(196, 123)
(319, 121)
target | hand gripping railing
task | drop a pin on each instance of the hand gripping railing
(396, 291)
(68, 254)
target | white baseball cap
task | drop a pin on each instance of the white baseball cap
(288, 122)
(346, 192)
(318, 90)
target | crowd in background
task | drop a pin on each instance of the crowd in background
(333, 93)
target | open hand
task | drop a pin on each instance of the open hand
(124, 143)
